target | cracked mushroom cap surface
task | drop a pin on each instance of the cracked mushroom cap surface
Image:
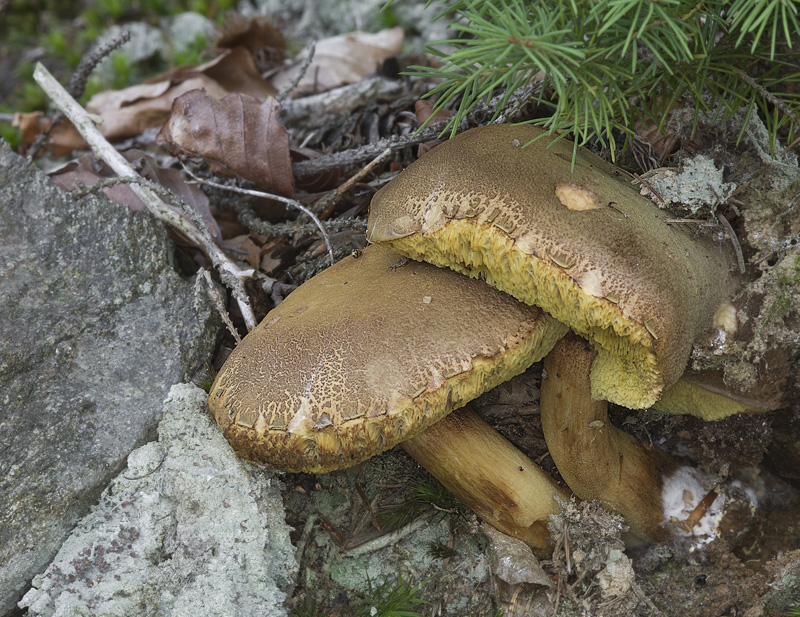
(366, 354)
(584, 245)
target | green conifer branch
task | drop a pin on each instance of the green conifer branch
(607, 63)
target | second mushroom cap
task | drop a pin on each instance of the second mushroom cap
(580, 243)
(367, 354)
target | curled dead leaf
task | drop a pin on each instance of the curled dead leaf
(128, 112)
(341, 60)
(242, 248)
(262, 39)
(234, 70)
(237, 136)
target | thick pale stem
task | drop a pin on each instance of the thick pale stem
(596, 459)
(490, 476)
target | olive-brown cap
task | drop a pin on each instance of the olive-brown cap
(365, 355)
(583, 245)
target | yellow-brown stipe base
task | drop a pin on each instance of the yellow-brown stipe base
(490, 476)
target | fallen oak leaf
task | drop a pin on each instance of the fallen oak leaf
(237, 136)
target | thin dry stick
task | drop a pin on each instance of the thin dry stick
(218, 299)
(367, 152)
(734, 240)
(326, 204)
(777, 102)
(77, 85)
(299, 75)
(289, 202)
(233, 276)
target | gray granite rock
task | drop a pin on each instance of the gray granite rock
(188, 529)
(95, 326)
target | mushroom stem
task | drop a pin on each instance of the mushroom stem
(596, 459)
(490, 476)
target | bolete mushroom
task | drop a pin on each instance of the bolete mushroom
(596, 459)
(366, 355)
(580, 243)
(583, 245)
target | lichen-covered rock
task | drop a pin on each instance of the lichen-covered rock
(95, 326)
(187, 529)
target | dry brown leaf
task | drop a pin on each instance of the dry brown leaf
(663, 143)
(130, 119)
(340, 60)
(243, 248)
(238, 136)
(128, 112)
(63, 139)
(234, 70)
(261, 38)
(423, 110)
(87, 171)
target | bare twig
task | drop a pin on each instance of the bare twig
(649, 187)
(390, 538)
(299, 75)
(703, 222)
(217, 299)
(517, 101)
(253, 222)
(286, 200)
(365, 153)
(233, 276)
(94, 189)
(327, 203)
(77, 85)
(308, 528)
(774, 100)
(698, 513)
(734, 240)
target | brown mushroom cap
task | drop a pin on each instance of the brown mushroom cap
(365, 355)
(584, 246)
